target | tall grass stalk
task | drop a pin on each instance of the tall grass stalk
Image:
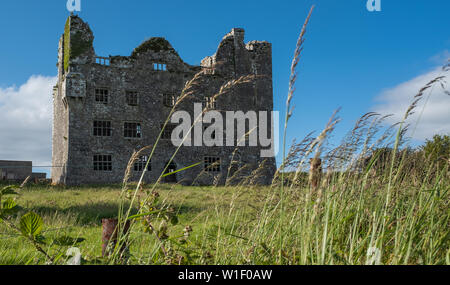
(289, 109)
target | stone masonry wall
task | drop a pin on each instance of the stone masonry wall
(75, 107)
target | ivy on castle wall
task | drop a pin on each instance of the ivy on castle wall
(74, 45)
(67, 44)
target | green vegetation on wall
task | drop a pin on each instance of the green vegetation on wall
(74, 45)
(67, 44)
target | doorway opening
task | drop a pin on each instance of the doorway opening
(171, 176)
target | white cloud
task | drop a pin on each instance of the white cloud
(26, 121)
(436, 115)
(441, 58)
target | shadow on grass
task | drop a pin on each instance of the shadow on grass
(93, 213)
(88, 214)
(187, 209)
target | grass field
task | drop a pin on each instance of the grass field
(78, 212)
(244, 225)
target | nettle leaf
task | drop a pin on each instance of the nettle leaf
(31, 224)
(40, 239)
(9, 206)
(8, 190)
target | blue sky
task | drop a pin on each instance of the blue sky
(351, 56)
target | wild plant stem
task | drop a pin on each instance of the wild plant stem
(292, 81)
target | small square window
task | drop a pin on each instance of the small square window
(102, 162)
(212, 163)
(101, 95)
(169, 99)
(102, 60)
(160, 66)
(102, 128)
(132, 130)
(132, 98)
(209, 103)
(140, 164)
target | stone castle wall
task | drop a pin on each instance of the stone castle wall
(75, 106)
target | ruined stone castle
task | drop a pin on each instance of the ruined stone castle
(105, 108)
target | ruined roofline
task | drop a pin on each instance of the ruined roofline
(239, 34)
(79, 48)
(78, 38)
(236, 37)
(155, 44)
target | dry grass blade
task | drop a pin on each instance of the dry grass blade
(418, 97)
(292, 80)
(317, 144)
(134, 157)
(296, 60)
(25, 181)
